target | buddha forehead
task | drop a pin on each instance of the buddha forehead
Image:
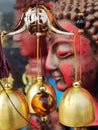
(53, 37)
(64, 26)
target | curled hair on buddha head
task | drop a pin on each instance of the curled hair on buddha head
(69, 9)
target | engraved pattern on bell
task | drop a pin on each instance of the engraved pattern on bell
(10, 119)
(43, 103)
(76, 107)
(37, 19)
(35, 88)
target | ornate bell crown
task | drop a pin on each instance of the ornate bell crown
(38, 19)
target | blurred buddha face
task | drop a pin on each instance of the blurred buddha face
(61, 62)
(28, 42)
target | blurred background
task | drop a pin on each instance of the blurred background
(7, 18)
(16, 61)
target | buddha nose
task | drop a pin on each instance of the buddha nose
(51, 62)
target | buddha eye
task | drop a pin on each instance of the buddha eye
(63, 50)
(64, 55)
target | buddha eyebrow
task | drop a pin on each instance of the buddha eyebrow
(53, 40)
(56, 44)
(67, 41)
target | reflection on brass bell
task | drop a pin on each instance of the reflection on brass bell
(10, 119)
(35, 88)
(43, 103)
(76, 107)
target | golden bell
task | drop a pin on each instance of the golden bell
(76, 107)
(35, 88)
(43, 103)
(10, 118)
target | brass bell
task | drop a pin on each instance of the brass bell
(35, 88)
(43, 103)
(13, 104)
(76, 107)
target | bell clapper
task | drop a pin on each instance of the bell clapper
(76, 128)
(79, 128)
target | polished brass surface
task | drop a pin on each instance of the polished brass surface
(10, 119)
(76, 107)
(43, 103)
(35, 88)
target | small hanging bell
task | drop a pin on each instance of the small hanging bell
(35, 89)
(76, 107)
(13, 109)
(43, 103)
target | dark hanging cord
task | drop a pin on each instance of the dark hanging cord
(16, 108)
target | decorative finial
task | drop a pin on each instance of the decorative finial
(80, 23)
